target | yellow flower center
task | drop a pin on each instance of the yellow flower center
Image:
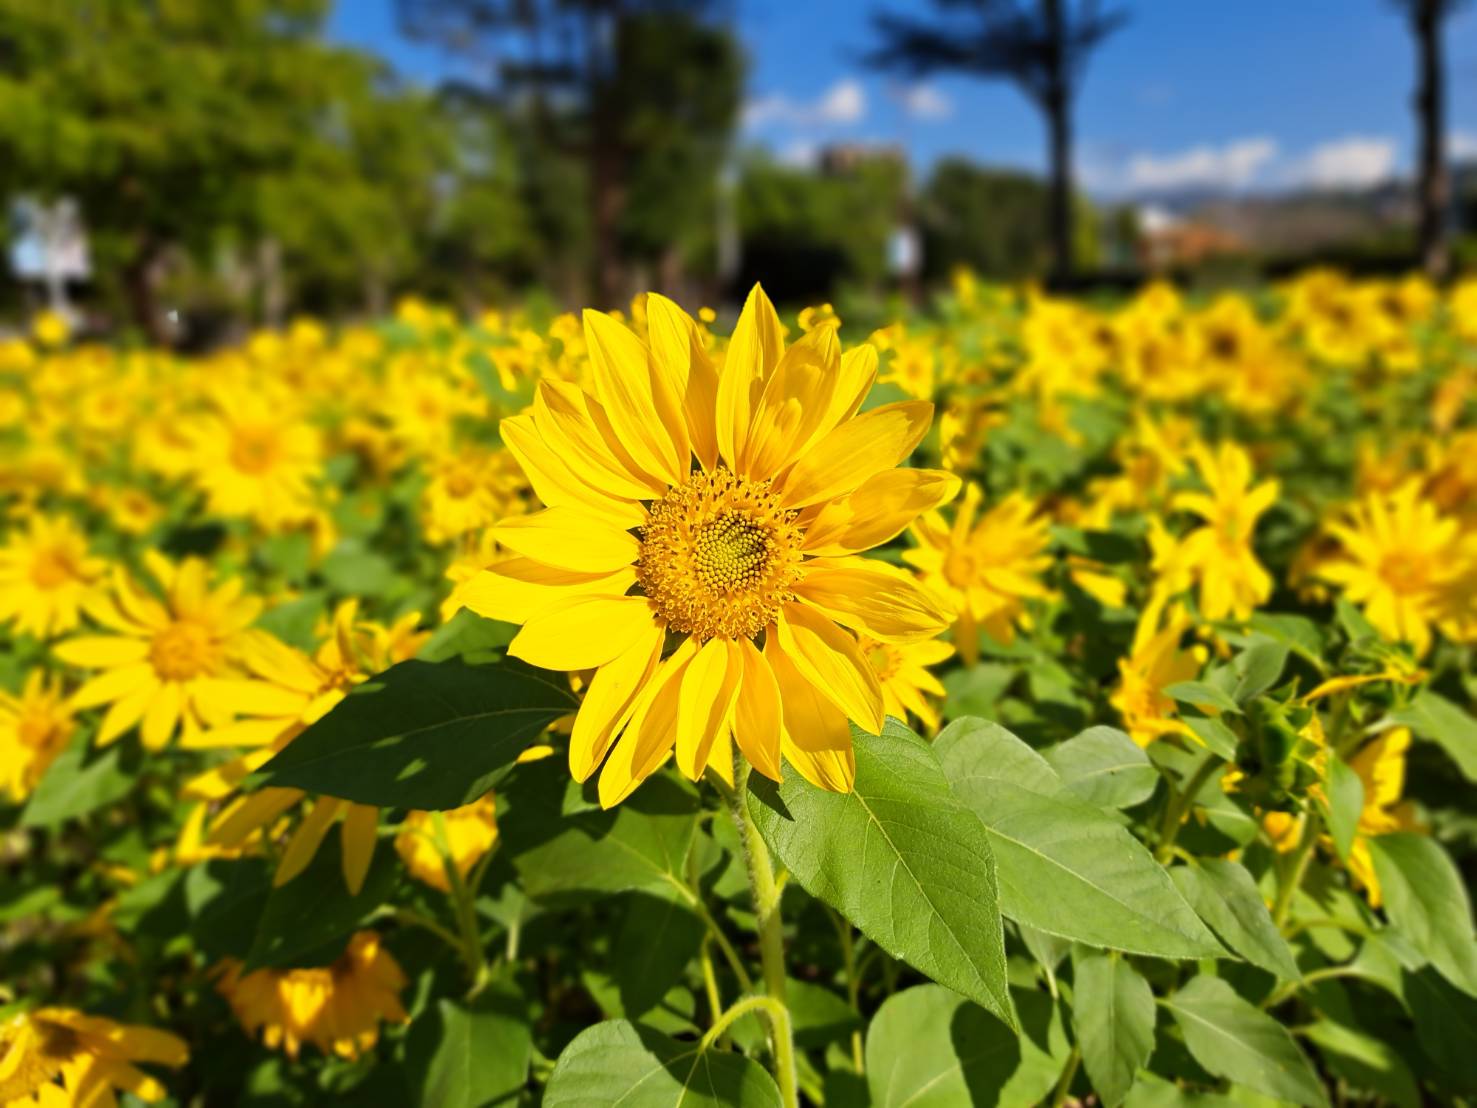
(1404, 574)
(184, 650)
(39, 729)
(253, 449)
(719, 556)
(884, 658)
(460, 483)
(53, 567)
(44, 1048)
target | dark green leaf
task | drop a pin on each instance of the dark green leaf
(899, 857)
(1432, 716)
(1258, 668)
(423, 735)
(1426, 898)
(1113, 1012)
(658, 938)
(466, 1055)
(467, 636)
(1227, 898)
(1365, 1061)
(1202, 694)
(1219, 739)
(1345, 803)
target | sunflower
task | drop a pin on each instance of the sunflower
(902, 670)
(1156, 661)
(469, 490)
(1398, 556)
(337, 1008)
(462, 836)
(34, 728)
(746, 560)
(256, 459)
(60, 1057)
(988, 569)
(46, 576)
(161, 665)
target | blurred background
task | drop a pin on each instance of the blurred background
(180, 171)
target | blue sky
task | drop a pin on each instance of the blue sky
(1242, 94)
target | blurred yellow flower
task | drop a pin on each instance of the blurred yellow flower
(63, 1058)
(469, 833)
(34, 728)
(908, 689)
(46, 576)
(1157, 661)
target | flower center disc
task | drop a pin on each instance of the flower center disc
(184, 650)
(719, 556)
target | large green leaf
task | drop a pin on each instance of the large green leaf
(424, 735)
(1364, 1060)
(1445, 1025)
(659, 936)
(1113, 1012)
(1104, 766)
(81, 781)
(563, 845)
(1066, 867)
(1426, 898)
(1431, 716)
(928, 1047)
(466, 1055)
(621, 1062)
(1234, 1039)
(900, 857)
(1227, 898)
(1258, 667)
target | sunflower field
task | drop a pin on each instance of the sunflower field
(1029, 701)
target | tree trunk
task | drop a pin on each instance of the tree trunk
(1430, 105)
(1057, 106)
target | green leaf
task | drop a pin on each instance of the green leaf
(1365, 1061)
(466, 1055)
(818, 1017)
(306, 921)
(1113, 1012)
(1067, 868)
(928, 1047)
(1103, 766)
(646, 1069)
(1426, 898)
(980, 747)
(1219, 739)
(1298, 632)
(1202, 694)
(354, 571)
(975, 690)
(562, 845)
(1258, 668)
(659, 936)
(81, 781)
(1227, 898)
(1445, 1025)
(900, 857)
(467, 636)
(423, 735)
(1431, 716)
(1236, 1040)
(1344, 794)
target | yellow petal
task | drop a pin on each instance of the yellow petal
(676, 343)
(517, 589)
(584, 633)
(828, 658)
(754, 350)
(879, 510)
(704, 704)
(873, 598)
(648, 738)
(102, 651)
(251, 813)
(562, 414)
(857, 373)
(816, 739)
(306, 839)
(757, 712)
(357, 836)
(569, 539)
(860, 447)
(555, 483)
(126, 711)
(642, 405)
(792, 409)
(607, 701)
(162, 716)
(113, 684)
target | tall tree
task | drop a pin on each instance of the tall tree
(1041, 46)
(1426, 18)
(619, 84)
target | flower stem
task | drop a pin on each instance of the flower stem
(1288, 887)
(771, 937)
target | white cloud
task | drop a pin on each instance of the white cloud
(1462, 145)
(924, 101)
(1233, 165)
(800, 154)
(1358, 161)
(844, 102)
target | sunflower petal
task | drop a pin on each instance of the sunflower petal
(872, 442)
(873, 598)
(584, 633)
(608, 701)
(569, 539)
(829, 659)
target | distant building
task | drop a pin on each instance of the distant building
(1167, 240)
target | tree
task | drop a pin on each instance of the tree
(1041, 47)
(624, 86)
(1434, 185)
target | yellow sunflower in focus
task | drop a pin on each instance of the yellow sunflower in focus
(988, 569)
(34, 729)
(166, 653)
(57, 1057)
(461, 836)
(337, 1008)
(46, 575)
(746, 560)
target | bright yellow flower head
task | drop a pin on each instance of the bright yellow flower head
(469, 832)
(1398, 557)
(469, 490)
(754, 545)
(902, 669)
(59, 1057)
(34, 729)
(46, 576)
(166, 654)
(986, 570)
(336, 1008)
(255, 459)
(1156, 662)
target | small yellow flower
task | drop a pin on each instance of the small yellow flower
(166, 654)
(337, 1008)
(254, 458)
(1380, 765)
(60, 1057)
(469, 490)
(46, 576)
(1156, 661)
(50, 329)
(34, 729)
(470, 832)
(907, 686)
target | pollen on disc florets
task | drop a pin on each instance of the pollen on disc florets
(719, 556)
